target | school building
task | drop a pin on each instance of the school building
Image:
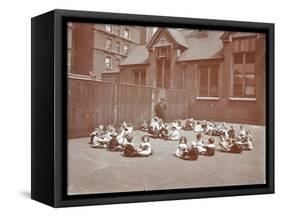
(212, 75)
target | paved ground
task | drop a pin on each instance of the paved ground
(99, 171)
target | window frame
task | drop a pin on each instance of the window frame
(209, 96)
(244, 52)
(119, 47)
(128, 35)
(139, 72)
(106, 44)
(109, 67)
(108, 28)
(126, 51)
(117, 68)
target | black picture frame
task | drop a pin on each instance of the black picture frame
(49, 104)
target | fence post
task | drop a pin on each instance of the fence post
(115, 104)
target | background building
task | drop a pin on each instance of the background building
(125, 70)
(96, 50)
(223, 73)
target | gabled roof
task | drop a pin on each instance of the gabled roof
(138, 55)
(178, 36)
(174, 34)
(197, 48)
(209, 47)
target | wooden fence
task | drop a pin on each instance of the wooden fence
(92, 103)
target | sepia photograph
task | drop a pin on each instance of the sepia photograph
(159, 108)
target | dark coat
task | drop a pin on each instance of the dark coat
(160, 110)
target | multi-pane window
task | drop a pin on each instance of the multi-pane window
(208, 80)
(117, 63)
(244, 76)
(117, 47)
(108, 28)
(126, 49)
(126, 33)
(108, 63)
(108, 44)
(139, 76)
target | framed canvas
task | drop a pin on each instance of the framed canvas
(134, 108)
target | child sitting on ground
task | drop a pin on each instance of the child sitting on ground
(191, 153)
(200, 143)
(220, 130)
(210, 148)
(189, 124)
(163, 129)
(241, 133)
(230, 146)
(198, 128)
(246, 141)
(179, 123)
(129, 128)
(130, 149)
(204, 125)
(144, 126)
(97, 132)
(154, 127)
(210, 128)
(182, 146)
(176, 124)
(248, 144)
(113, 144)
(100, 141)
(145, 148)
(174, 136)
(231, 132)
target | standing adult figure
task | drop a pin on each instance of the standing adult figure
(160, 110)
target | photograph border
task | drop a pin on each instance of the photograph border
(58, 173)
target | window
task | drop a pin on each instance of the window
(108, 63)
(117, 63)
(244, 76)
(108, 44)
(178, 53)
(163, 73)
(126, 33)
(108, 28)
(247, 44)
(139, 77)
(163, 52)
(208, 80)
(118, 30)
(117, 47)
(126, 49)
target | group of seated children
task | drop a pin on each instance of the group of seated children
(119, 140)
(210, 128)
(198, 147)
(144, 150)
(236, 143)
(230, 141)
(158, 129)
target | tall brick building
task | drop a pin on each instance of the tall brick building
(96, 50)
